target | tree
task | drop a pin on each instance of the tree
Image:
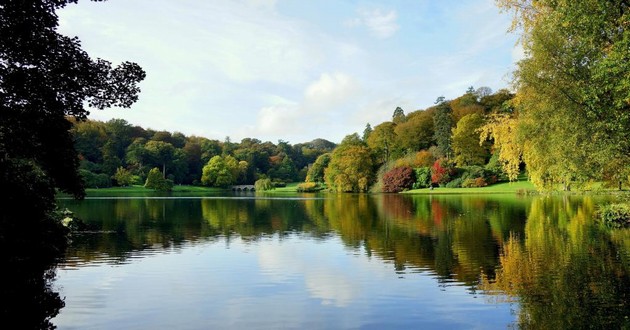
(466, 147)
(156, 181)
(383, 141)
(220, 171)
(442, 124)
(123, 177)
(316, 171)
(44, 78)
(351, 166)
(161, 153)
(366, 132)
(503, 130)
(398, 116)
(572, 87)
(263, 184)
(417, 132)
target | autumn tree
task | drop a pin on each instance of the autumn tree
(503, 130)
(573, 87)
(383, 141)
(316, 171)
(417, 132)
(351, 166)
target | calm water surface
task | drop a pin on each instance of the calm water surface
(344, 262)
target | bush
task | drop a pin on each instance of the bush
(156, 181)
(398, 179)
(442, 171)
(456, 183)
(615, 215)
(279, 184)
(309, 187)
(474, 183)
(423, 177)
(93, 180)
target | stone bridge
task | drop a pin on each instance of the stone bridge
(244, 187)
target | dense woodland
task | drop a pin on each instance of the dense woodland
(444, 137)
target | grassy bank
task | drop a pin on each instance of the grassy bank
(139, 191)
(290, 188)
(518, 187)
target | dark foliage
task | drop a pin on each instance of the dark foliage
(398, 179)
(44, 79)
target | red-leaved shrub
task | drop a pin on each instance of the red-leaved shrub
(398, 179)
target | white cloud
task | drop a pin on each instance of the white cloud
(324, 98)
(382, 24)
(268, 70)
(331, 89)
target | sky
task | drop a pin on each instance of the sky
(293, 70)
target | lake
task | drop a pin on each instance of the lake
(328, 261)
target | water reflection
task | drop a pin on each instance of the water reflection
(546, 255)
(564, 269)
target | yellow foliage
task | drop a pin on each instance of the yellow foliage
(503, 130)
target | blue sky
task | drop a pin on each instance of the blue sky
(293, 70)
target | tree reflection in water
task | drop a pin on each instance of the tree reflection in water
(546, 254)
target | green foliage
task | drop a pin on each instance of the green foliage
(423, 177)
(95, 180)
(123, 177)
(416, 133)
(442, 123)
(351, 166)
(455, 183)
(316, 171)
(220, 172)
(466, 146)
(383, 142)
(615, 215)
(263, 184)
(156, 181)
(398, 179)
(366, 132)
(398, 116)
(573, 88)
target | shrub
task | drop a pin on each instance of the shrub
(279, 184)
(423, 177)
(309, 187)
(156, 181)
(615, 215)
(456, 183)
(93, 180)
(424, 158)
(398, 179)
(442, 171)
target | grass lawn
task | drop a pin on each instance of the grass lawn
(138, 191)
(499, 188)
(290, 188)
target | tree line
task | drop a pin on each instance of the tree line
(437, 146)
(447, 134)
(118, 153)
